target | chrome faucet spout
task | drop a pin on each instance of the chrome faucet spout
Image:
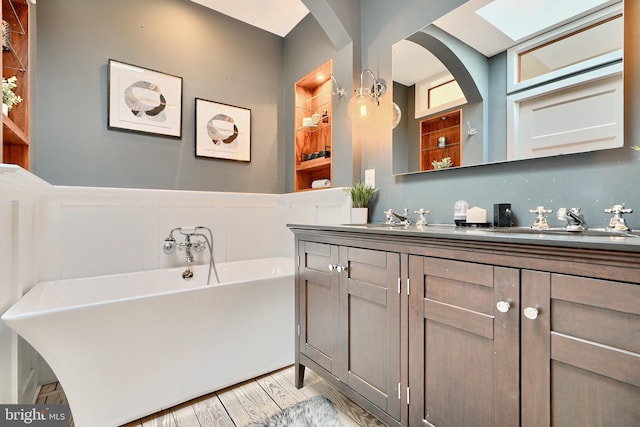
(187, 248)
(574, 217)
(404, 219)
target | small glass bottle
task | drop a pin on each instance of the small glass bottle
(460, 212)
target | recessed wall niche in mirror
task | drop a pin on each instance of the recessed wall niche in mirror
(490, 83)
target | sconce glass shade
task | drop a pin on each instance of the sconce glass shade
(361, 104)
(397, 115)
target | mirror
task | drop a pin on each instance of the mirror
(477, 95)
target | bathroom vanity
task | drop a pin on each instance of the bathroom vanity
(443, 326)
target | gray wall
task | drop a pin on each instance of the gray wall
(258, 71)
(219, 59)
(592, 181)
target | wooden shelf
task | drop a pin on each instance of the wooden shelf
(313, 129)
(314, 164)
(445, 125)
(15, 62)
(313, 95)
(12, 134)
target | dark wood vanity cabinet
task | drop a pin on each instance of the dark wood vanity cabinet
(348, 319)
(580, 351)
(463, 352)
(472, 333)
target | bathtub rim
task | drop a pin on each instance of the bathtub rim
(17, 313)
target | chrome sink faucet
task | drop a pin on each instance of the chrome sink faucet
(617, 222)
(404, 219)
(575, 219)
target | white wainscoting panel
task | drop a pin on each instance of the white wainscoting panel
(18, 273)
(52, 232)
(94, 240)
(251, 232)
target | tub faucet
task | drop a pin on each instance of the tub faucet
(575, 219)
(617, 222)
(202, 242)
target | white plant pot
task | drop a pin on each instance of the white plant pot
(359, 215)
(5, 109)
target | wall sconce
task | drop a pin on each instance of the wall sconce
(472, 131)
(338, 90)
(363, 100)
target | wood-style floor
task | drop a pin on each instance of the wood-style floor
(248, 402)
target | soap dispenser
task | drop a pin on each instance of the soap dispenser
(460, 212)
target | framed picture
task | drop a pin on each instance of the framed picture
(223, 131)
(143, 100)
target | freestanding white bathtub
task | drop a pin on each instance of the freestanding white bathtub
(128, 345)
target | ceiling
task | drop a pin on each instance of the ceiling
(279, 17)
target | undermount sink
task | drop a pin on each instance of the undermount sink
(381, 225)
(562, 231)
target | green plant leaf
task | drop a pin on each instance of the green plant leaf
(361, 194)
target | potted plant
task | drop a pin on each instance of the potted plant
(9, 98)
(361, 195)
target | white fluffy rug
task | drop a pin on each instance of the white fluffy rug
(314, 412)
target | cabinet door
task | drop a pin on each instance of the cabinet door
(463, 354)
(581, 352)
(318, 303)
(370, 326)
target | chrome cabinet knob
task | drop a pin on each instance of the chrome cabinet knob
(332, 267)
(340, 268)
(503, 306)
(531, 313)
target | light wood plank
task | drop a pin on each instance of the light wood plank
(48, 388)
(185, 416)
(280, 390)
(160, 419)
(248, 403)
(211, 412)
(56, 398)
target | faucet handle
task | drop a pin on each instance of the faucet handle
(422, 220)
(618, 209)
(540, 223)
(540, 210)
(617, 222)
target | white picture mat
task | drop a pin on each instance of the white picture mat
(121, 77)
(240, 148)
